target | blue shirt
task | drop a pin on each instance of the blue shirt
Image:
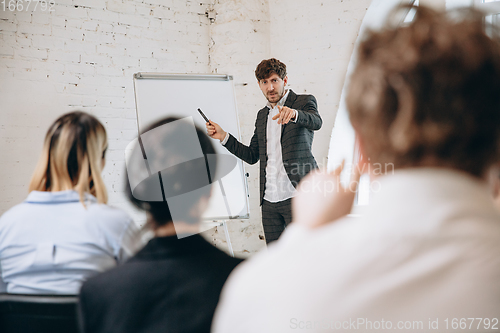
(51, 243)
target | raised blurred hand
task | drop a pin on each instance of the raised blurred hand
(321, 198)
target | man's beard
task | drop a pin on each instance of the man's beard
(277, 96)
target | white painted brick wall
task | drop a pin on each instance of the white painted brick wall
(83, 55)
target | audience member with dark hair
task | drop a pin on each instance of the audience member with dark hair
(64, 232)
(425, 256)
(173, 283)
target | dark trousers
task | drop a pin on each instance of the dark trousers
(275, 217)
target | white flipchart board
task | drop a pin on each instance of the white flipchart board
(159, 95)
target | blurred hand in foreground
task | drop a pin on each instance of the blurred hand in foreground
(321, 198)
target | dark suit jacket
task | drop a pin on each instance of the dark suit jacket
(171, 285)
(296, 140)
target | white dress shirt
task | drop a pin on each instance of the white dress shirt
(278, 185)
(51, 243)
(426, 251)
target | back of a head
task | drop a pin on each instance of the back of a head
(181, 161)
(72, 157)
(428, 93)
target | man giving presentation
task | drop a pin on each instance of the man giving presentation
(281, 141)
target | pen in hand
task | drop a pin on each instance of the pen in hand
(213, 129)
(204, 117)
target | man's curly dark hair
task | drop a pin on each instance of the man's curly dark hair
(268, 67)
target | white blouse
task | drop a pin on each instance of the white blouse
(51, 243)
(278, 185)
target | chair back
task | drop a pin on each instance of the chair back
(38, 313)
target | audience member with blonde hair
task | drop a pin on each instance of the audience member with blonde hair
(425, 255)
(64, 232)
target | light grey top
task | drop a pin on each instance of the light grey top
(51, 243)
